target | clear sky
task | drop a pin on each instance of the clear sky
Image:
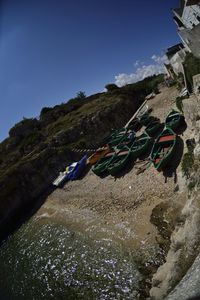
(52, 49)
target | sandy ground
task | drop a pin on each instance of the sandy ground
(119, 208)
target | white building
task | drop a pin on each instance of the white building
(187, 18)
(176, 56)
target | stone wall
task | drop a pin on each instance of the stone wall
(192, 38)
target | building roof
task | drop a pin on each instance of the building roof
(192, 2)
(178, 11)
(174, 49)
(178, 22)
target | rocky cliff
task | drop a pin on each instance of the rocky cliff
(37, 149)
(178, 276)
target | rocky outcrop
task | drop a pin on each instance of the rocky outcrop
(24, 128)
(177, 277)
(35, 155)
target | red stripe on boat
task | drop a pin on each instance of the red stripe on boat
(110, 154)
(167, 138)
(157, 160)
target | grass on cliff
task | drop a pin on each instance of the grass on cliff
(187, 163)
(192, 67)
(34, 135)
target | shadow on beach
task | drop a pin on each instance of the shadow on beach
(170, 169)
(180, 129)
(129, 166)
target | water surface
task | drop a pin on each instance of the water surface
(44, 260)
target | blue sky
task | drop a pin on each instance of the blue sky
(52, 49)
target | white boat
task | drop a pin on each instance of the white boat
(61, 178)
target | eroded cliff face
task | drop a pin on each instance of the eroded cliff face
(176, 277)
(35, 152)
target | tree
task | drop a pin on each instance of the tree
(80, 95)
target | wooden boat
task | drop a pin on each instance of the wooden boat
(163, 147)
(71, 172)
(140, 145)
(120, 160)
(173, 119)
(134, 125)
(152, 127)
(101, 166)
(145, 119)
(115, 135)
(126, 139)
(98, 154)
(75, 169)
(61, 179)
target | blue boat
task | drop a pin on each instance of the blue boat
(76, 168)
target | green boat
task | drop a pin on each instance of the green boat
(134, 125)
(173, 119)
(145, 119)
(120, 160)
(126, 139)
(152, 127)
(140, 145)
(163, 148)
(101, 166)
(114, 135)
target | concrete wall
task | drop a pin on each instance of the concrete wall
(177, 60)
(192, 39)
(190, 16)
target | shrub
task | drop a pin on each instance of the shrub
(192, 67)
(80, 95)
(33, 139)
(111, 87)
(24, 127)
(187, 163)
(191, 185)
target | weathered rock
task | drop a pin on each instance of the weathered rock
(24, 128)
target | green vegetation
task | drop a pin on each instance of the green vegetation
(180, 81)
(192, 67)
(71, 123)
(111, 87)
(191, 185)
(145, 86)
(187, 163)
(80, 95)
(31, 140)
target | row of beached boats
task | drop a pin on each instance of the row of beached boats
(124, 145)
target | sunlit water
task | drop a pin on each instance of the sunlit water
(48, 261)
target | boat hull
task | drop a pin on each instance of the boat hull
(163, 149)
(142, 147)
(173, 120)
(152, 128)
(76, 172)
(119, 162)
(93, 159)
(101, 166)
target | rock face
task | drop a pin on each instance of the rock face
(24, 128)
(37, 149)
(178, 277)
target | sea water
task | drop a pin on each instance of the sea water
(45, 260)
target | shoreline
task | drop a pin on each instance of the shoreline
(137, 212)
